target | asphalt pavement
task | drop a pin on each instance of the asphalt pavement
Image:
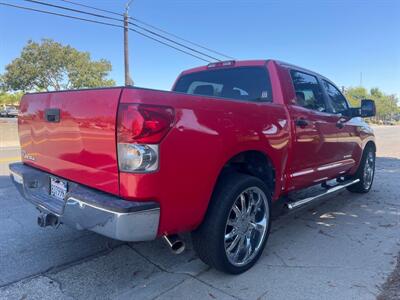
(342, 248)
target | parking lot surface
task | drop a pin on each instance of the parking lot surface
(342, 248)
(8, 132)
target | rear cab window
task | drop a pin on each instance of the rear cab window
(240, 83)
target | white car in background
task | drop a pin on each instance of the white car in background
(9, 112)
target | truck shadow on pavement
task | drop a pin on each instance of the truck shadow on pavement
(344, 246)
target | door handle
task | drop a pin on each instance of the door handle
(340, 123)
(301, 122)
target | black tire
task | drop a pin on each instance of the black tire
(209, 240)
(365, 184)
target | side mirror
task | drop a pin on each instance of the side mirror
(367, 108)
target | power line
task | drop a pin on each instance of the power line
(151, 26)
(166, 44)
(58, 14)
(182, 39)
(74, 10)
(102, 23)
(115, 19)
(172, 41)
(91, 7)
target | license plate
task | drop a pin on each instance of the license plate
(58, 188)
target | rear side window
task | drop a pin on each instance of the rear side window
(308, 92)
(338, 101)
(241, 83)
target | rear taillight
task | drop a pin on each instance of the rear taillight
(145, 124)
(140, 128)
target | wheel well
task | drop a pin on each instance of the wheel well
(253, 163)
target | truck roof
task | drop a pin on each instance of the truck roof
(254, 62)
(237, 63)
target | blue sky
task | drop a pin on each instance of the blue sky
(338, 39)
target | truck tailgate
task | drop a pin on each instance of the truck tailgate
(81, 145)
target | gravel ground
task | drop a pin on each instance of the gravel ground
(391, 288)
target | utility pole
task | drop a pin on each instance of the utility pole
(128, 80)
(360, 78)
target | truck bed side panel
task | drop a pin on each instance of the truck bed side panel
(207, 133)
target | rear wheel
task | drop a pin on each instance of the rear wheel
(365, 172)
(236, 227)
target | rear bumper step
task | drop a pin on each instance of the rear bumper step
(303, 202)
(86, 208)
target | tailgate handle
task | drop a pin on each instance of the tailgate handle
(52, 115)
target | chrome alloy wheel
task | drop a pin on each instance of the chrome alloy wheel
(246, 226)
(369, 169)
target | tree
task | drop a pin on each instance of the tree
(49, 65)
(386, 105)
(355, 94)
(10, 98)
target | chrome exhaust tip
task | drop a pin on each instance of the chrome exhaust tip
(45, 220)
(175, 243)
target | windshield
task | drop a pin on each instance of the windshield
(241, 83)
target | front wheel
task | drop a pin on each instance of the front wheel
(365, 172)
(237, 224)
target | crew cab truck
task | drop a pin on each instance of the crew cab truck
(232, 141)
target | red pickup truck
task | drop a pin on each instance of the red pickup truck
(233, 141)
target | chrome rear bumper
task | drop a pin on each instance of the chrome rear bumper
(86, 208)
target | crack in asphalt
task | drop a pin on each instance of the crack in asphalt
(62, 267)
(280, 258)
(195, 277)
(170, 289)
(60, 287)
(262, 295)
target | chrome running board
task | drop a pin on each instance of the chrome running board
(336, 188)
